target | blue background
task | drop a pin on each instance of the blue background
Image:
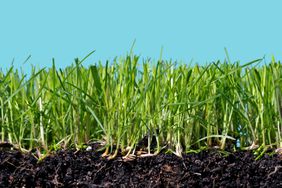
(187, 30)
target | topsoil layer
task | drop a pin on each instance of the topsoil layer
(89, 169)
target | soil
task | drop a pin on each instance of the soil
(70, 168)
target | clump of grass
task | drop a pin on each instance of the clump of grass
(181, 107)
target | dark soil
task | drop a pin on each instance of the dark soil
(88, 169)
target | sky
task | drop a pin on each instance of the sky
(187, 30)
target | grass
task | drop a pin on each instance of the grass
(185, 107)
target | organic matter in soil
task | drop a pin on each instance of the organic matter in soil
(70, 168)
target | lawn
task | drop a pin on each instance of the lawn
(135, 110)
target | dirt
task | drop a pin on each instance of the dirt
(70, 168)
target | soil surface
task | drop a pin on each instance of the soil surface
(88, 169)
